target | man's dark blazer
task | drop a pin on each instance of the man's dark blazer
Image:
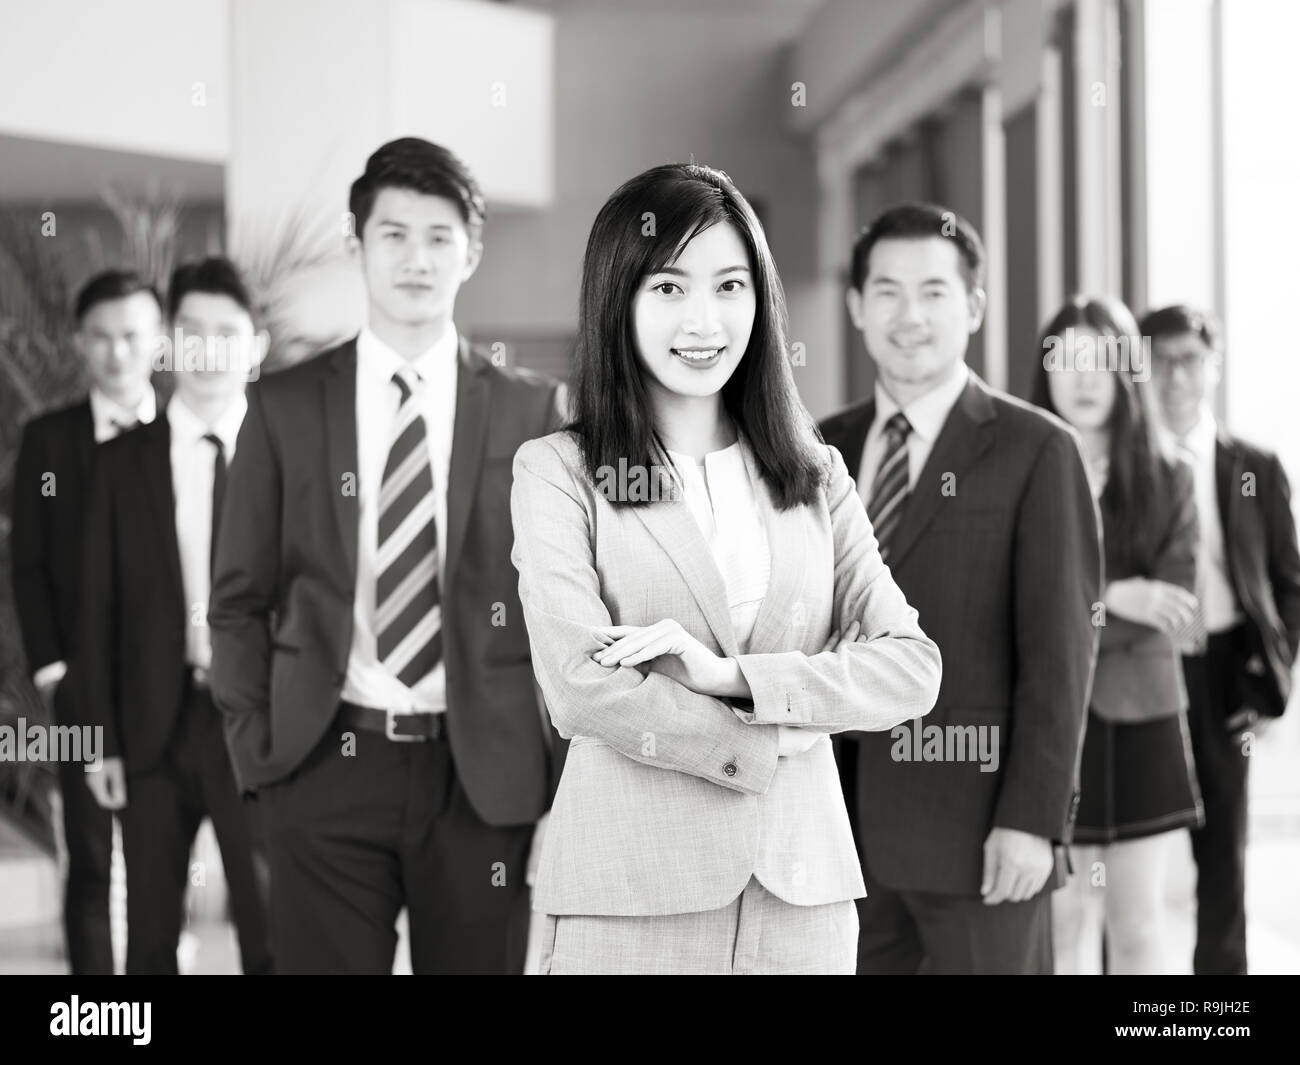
(999, 553)
(282, 603)
(55, 456)
(1264, 565)
(133, 610)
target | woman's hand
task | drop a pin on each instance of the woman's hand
(665, 647)
(1161, 605)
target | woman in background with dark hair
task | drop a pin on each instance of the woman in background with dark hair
(1138, 785)
(688, 553)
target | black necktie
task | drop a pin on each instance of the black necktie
(218, 491)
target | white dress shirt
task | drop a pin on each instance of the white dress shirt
(721, 498)
(369, 682)
(111, 418)
(1214, 584)
(193, 462)
(926, 414)
(108, 418)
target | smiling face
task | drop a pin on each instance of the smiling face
(416, 252)
(692, 319)
(915, 313)
(1083, 397)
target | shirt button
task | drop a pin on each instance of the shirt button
(730, 769)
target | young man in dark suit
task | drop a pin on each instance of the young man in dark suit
(157, 493)
(1239, 654)
(983, 511)
(370, 654)
(118, 316)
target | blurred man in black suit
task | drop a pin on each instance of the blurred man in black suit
(984, 515)
(156, 496)
(1238, 654)
(118, 318)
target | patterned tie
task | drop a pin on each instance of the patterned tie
(408, 616)
(889, 487)
(218, 493)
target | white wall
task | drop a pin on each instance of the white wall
(634, 89)
(136, 75)
(1262, 264)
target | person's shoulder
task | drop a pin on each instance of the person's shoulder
(1026, 418)
(555, 451)
(59, 421)
(519, 377)
(291, 379)
(1255, 455)
(841, 420)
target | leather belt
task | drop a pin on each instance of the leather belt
(398, 727)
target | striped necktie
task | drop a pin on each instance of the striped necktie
(408, 615)
(889, 487)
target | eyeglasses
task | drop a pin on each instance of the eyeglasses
(1167, 364)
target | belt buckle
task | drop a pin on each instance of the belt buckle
(390, 727)
(199, 676)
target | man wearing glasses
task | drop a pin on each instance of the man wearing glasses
(1239, 649)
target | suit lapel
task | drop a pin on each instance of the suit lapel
(673, 526)
(786, 547)
(339, 396)
(1228, 467)
(966, 434)
(84, 440)
(154, 453)
(854, 441)
(469, 437)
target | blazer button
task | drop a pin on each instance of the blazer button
(730, 769)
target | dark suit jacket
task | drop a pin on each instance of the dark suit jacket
(1264, 565)
(282, 603)
(1139, 673)
(1002, 562)
(47, 530)
(133, 611)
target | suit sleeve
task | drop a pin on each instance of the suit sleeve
(1057, 580)
(1284, 558)
(889, 675)
(649, 718)
(1175, 560)
(31, 545)
(245, 584)
(96, 700)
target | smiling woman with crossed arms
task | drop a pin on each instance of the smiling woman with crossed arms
(688, 639)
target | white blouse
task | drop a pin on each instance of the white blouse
(721, 497)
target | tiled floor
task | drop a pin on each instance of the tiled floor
(29, 882)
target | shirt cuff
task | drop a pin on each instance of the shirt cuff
(49, 675)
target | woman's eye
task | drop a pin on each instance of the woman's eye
(664, 286)
(733, 284)
(393, 234)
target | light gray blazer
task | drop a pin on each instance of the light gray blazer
(670, 800)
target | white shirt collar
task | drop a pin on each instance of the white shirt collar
(381, 360)
(189, 427)
(104, 412)
(1200, 438)
(927, 413)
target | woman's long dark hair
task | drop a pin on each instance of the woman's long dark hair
(643, 227)
(1127, 502)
